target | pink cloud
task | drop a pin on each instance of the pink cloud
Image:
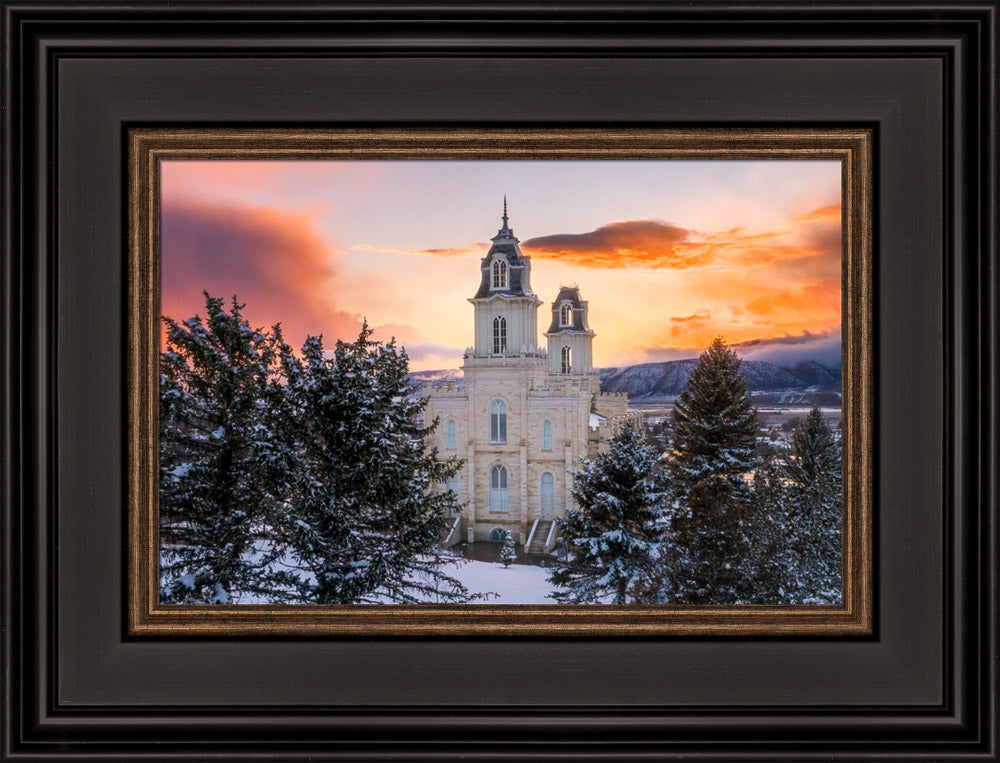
(272, 260)
(220, 179)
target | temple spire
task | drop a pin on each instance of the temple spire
(505, 231)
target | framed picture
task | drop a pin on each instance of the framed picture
(100, 665)
(514, 397)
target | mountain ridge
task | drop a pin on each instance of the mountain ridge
(668, 378)
(806, 382)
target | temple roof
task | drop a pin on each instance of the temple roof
(578, 322)
(505, 244)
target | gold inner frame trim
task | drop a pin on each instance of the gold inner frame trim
(147, 147)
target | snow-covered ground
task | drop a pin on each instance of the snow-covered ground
(517, 584)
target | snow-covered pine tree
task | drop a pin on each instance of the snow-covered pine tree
(507, 551)
(220, 466)
(715, 428)
(768, 566)
(612, 537)
(813, 471)
(364, 519)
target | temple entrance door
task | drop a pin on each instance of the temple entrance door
(547, 495)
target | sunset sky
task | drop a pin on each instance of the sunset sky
(668, 254)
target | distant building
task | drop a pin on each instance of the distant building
(523, 416)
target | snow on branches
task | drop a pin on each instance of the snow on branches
(295, 478)
(612, 537)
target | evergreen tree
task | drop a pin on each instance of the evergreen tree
(768, 567)
(220, 465)
(715, 428)
(507, 551)
(813, 472)
(364, 520)
(611, 538)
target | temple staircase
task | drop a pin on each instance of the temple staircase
(541, 534)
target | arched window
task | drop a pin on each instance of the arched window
(547, 495)
(498, 488)
(567, 360)
(499, 535)
(498, 421)
(499, 273)
(499, 335)
(451, 434)
(565, 314)
(546, 435)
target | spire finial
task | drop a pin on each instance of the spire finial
(505, 231)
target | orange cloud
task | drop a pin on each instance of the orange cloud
(804, 299)
(760, 285)
(273, 260)
(702, 316)
(827, 214)
(459, 251)
(657, 245)
(686, 325)
(779, 309)
(654, 244)
(745, 283)
(640, 243)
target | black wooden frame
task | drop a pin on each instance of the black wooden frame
(923, 75)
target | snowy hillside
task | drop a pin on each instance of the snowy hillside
(669, 378)
(808, 382)
(435, 376)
